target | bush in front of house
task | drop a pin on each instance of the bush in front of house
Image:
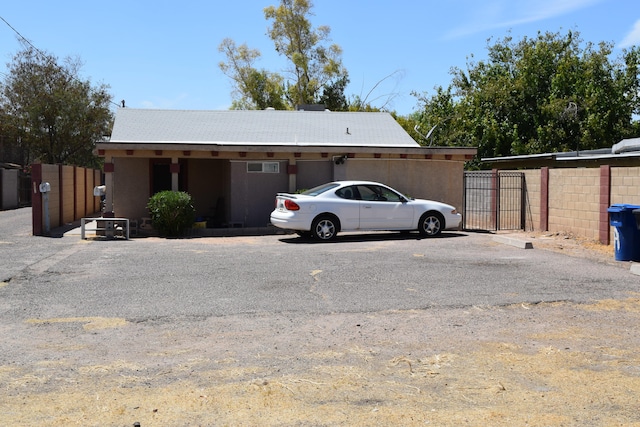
(171, 212)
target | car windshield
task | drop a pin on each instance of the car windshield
(320, 189)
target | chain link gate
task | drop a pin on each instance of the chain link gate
(494, 201)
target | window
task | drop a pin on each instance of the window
(263, 167)
(347, 193)
(378, 194)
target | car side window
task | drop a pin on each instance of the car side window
(389, 195)
(366, 193)
(346, 193)
(376, 193)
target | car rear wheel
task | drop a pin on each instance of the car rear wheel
(431, 224)
(324, 228)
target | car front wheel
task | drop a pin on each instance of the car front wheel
(324, 228)
(431, 224)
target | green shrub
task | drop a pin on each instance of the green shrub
(172, 212)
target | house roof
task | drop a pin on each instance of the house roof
(259, 127)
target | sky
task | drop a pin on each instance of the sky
(163, 54)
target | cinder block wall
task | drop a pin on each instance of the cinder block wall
(574, 196)
(625, 185)
(532, 195)
(71, 195)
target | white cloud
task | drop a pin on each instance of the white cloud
(632, 38)
(507, 14)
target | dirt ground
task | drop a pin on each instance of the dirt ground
(550, 364)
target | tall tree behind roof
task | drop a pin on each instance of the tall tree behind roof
(314, 74)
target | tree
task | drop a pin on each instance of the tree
(315, 73)
(549, 93)
(253, 88)
(313, 64)
(52, 114)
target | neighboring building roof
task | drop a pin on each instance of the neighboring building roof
(259, 127)
(625, 151)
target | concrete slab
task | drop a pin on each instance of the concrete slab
(635, 268)
(518, 243)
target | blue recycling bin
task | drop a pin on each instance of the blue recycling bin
(626, 234)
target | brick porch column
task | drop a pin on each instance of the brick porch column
(605, 202)
(544, 199)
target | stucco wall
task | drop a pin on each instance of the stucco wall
(209, 187)
(253, 194)
(9, 191)
(131, 187)
(432, 179)
(312, 173)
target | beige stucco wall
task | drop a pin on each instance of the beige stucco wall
(625, 185)
(439, 180)
(208, 185)
(9, 184)
(131, 187)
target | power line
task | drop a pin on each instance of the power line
(25, 40)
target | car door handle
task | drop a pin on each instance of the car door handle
(367, 206)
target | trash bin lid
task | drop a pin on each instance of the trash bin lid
(622, 208)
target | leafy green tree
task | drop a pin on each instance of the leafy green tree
(315, 73)
(253, 88)
(548, 93)
(314, 63)
(52, 114)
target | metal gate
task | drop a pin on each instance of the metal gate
(494, 201)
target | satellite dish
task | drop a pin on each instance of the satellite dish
(416, 127)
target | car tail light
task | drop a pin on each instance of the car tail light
(291, 205)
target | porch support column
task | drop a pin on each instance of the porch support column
(605, 201)
(175, 174)
(292, 170)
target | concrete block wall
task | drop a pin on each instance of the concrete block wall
(71, 196)
(574, 201)
(625, 185)
(532, 199)
(577, 198)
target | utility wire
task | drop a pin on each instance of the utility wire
(25, 40)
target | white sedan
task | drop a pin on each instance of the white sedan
(325, 210)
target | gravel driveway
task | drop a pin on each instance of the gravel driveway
(374, 329)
